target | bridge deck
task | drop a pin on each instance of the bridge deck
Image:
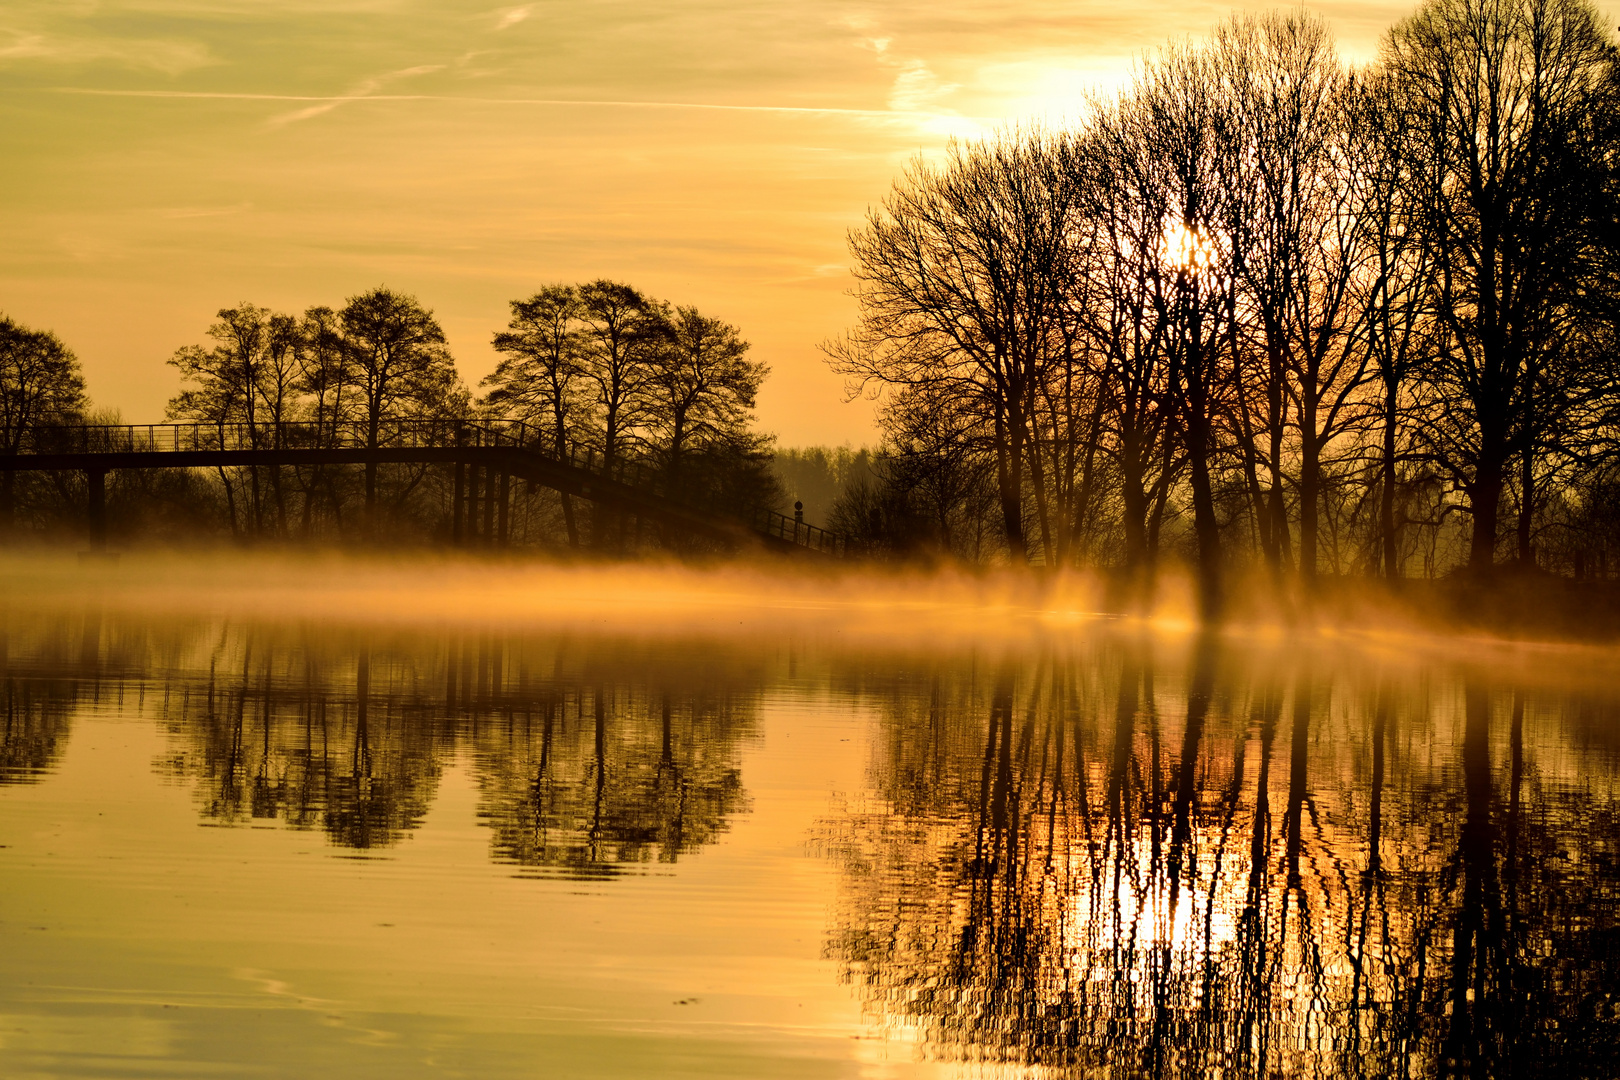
(511, 447)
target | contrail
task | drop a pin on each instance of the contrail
(587, 103)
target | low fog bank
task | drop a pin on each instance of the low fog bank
(884, 608)
(773, 598)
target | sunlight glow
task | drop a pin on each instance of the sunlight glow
(1187, 248)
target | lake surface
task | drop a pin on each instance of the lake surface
(441, 825)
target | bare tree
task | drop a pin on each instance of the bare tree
(540, 376)
(401, 365)
(1122, 321)
(233, 382)
(964, 279)
(1169, 130)
(1291, 156)
(622, 331)
(702, 388)
(1396, 286)
(1504, 92)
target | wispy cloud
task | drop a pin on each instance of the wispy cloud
(166, 56)
(325, 103)
(366, 88)
(507, 17)
(916, 88)
(24, 45)
(182, 212)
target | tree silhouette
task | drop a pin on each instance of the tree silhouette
(401, 366)
(540, 378)
(40, 385)
(1514, 187)
(1262, 308)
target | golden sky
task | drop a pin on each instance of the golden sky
(160, 159)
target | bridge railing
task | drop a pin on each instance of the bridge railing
(308, 435)
(632, 471)
(799, 532)
(408, 434)
(101, 438)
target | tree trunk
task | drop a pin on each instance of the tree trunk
(372, 424)
(255, 501)
(570, 524)
(504, 522)
(1527, 502)
(1278, 553)
(1196, 409)
(457, 501)
(1386, 501)
(1037, 476)
(1009, 483)
(560, 435)
(1310, 486)
(1135, 499)
(491, 494)
(677, 447)
(1088, 473)
(1204, 523)
(230, 500)
(1259, 504)
(1485, 500)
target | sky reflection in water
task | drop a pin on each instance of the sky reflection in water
(779, 853)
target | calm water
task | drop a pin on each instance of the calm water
(281, 844)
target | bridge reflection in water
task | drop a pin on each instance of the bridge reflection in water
(1107, 856)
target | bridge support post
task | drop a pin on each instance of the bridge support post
(506, 507)
(97, 483)
(472, 505)
(456, 508)
(489, 506)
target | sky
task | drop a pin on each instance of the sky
(162, 159)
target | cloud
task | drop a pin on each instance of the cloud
(364, 89)
(182, 212)
(512, 16)
(151, 54)
(916, 88)
(24, 45)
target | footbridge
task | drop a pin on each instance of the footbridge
(487, 456)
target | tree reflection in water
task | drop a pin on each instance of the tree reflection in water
(589, 757)
(1251, 866)
(596, 768)
(40, 697)
(38, 712)
(577, 772)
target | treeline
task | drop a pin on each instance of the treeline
(819, 477)
(1264, 310)
(597, 368)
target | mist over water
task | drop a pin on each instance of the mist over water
(433, 817)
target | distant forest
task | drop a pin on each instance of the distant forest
(1263, 311)
(598, 366)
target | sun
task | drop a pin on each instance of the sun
(1187, 247)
